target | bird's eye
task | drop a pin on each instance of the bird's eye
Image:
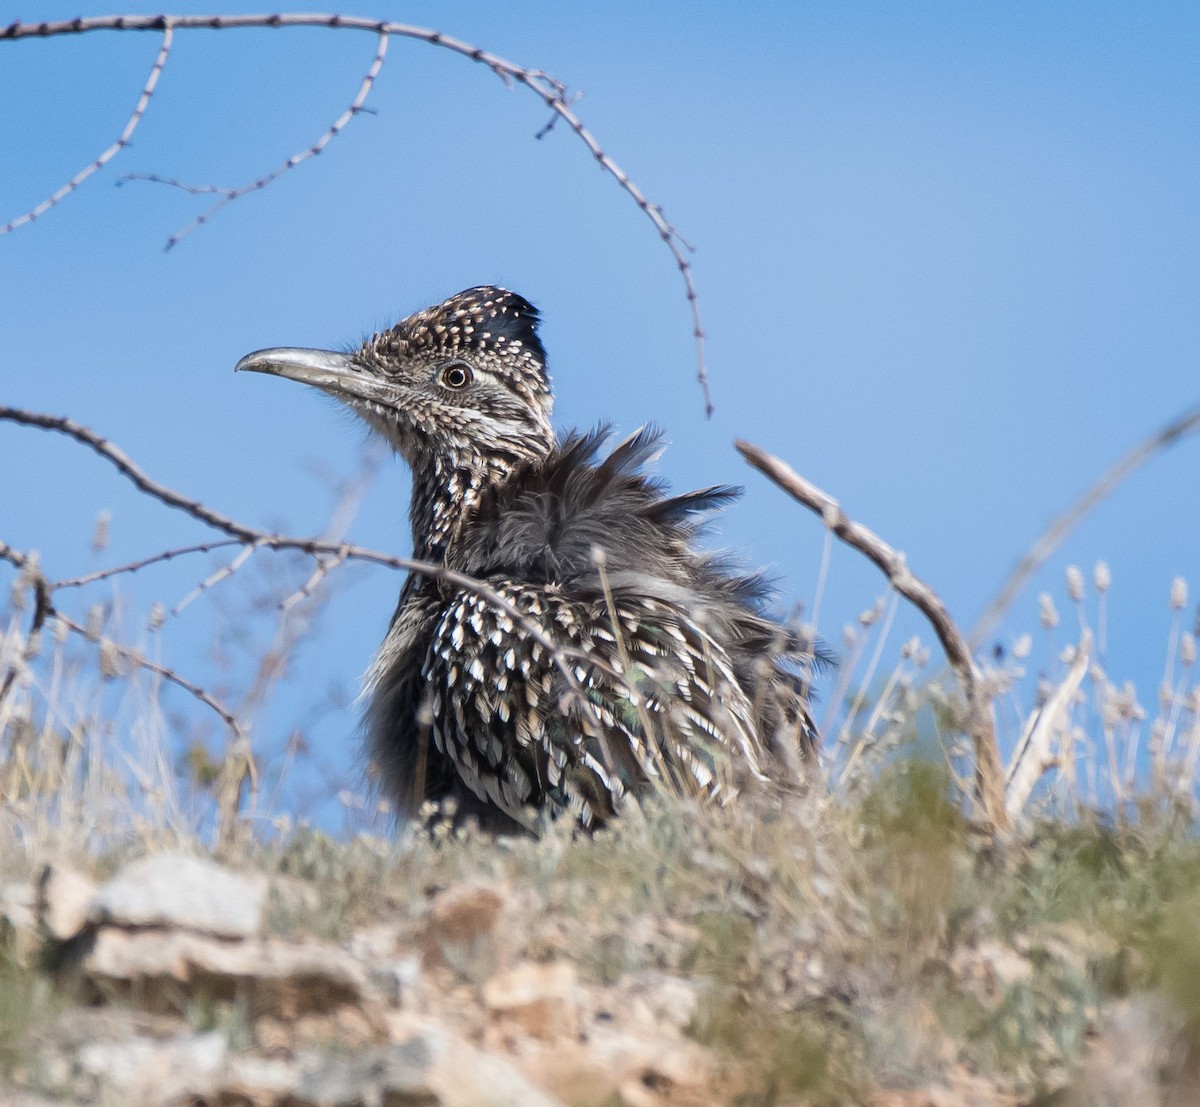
(457, 375)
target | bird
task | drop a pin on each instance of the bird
(568, 645)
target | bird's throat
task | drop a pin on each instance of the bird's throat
(446, 494)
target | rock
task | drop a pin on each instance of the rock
(990, 971)
(292, 903)
(18, 919)
(463, 1076)
(961, 1089)
(538, 998)
(1139, 1057)
(460, 929)
(252, 1079)
(648, 1057)
(389, 1076)
(394, 971)
(429, 1066)
(149, 1071)
(275, 977)
(191, 893)
(64, 898)
(661, 999)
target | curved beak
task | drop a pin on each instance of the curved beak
(320, 368)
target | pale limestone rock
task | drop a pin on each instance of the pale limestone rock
(18, 918)
(661, 999)
(387, 1076)
(662, 1056)
(64, 898)
(463, 1076)
(146, 1071)
(1139, 1057)
(254, 1079)
(191, 893)
(460, 928)
(541, 999)
(286, 978)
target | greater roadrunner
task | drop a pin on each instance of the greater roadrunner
(618, 657)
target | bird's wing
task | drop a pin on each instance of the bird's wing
(634, 692)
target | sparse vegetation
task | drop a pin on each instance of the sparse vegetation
(874, 941)
(855, 939)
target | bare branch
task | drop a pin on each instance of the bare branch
(163, 671)
(216, 577)
(551, 91)
(42, 607)
(118, 457)
(228, 195)
(989, 775)
(183, 186)
(560, 654)
(135, 566)
(325, 565)
(1058, 531)
(131, 125)
(46, 609)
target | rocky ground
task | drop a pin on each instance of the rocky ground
(464, 972)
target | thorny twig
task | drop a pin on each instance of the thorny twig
(989, 774)
(228, 195)
(551, 91)
(45, 609)
(183, 186)
(141, 563)
(325, 566)
(131, 125)
(223, 573)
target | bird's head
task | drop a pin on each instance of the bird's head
(461, 384)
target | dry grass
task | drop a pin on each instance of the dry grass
(865, 935)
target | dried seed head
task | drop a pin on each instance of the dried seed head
(95, 620)
(871, 616)
(158, 616)
(110, 660)
(1074, 584)
(1179, 594)
(1101, 577)
(100, 531)
(1187, 648)
(849, 636)
(1049, 613)
(1125, 703)
(1022, 646)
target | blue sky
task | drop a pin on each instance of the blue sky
(948, 258)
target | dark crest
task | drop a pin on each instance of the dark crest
(483, 318)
